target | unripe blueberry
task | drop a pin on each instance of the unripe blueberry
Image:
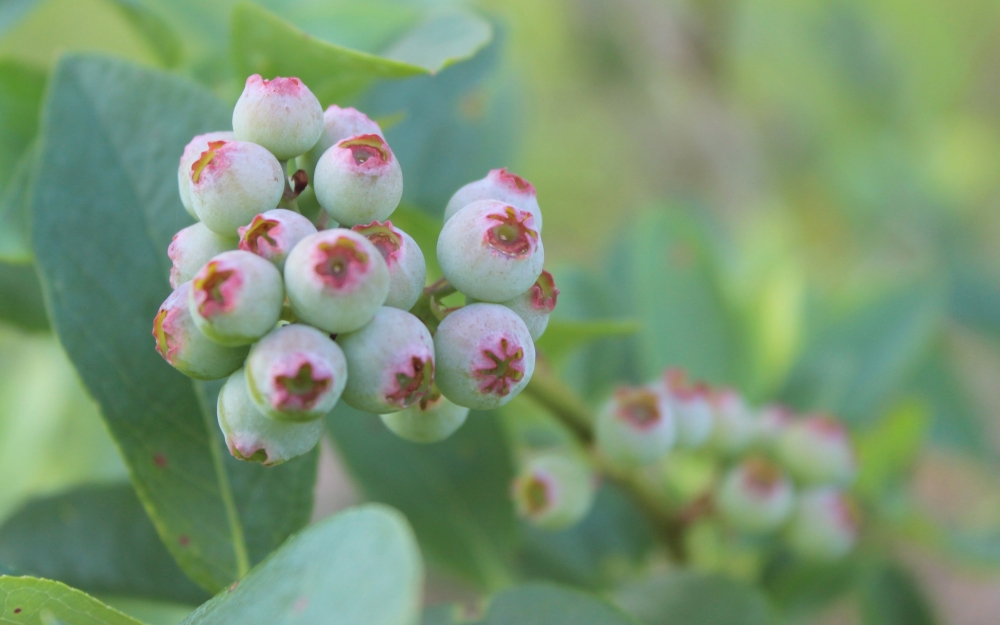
(189, 351)
(273, 234)
(236, 298)
(432, 419)
(280, 114)
(485, 356)
(635, 427)
(691, 407)
(358, 180)
(491, 251)
(336, 280)
(536, 304)
(553, 491)
(339, 124)
(818, 450)
(824, 525)
(192, 152)
(191, 248)
(231, 182)
(255, 437)
(407, 268)
(500, 185)
(756, 496)
(734, 428)
(391, 360)
(772, 421)
(296, 373)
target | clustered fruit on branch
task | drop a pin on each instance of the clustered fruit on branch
(300, 314)
(775, 474)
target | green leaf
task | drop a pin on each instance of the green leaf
(694, 598)
(545, 604)
(13, 11)
(97, 539)
(265, 44)
(102, 223)
(665, 275)
(22, 303)
(441, 615)
(563, 335)
(454, 493)
(854, 364)
(32, 601)
(21, 90)
(15, 210)
(890, 596)
(803, 588)
(974, 300)
(888, 450)
(151, 25)
(360, 567)
(611, 542)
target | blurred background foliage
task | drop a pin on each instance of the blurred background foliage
(798, 199)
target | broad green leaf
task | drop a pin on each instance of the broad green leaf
(441, 615)
(32, 601)
(545, 604)
(454, 126)
(665, 276)
(974, 300)
(890, 596)
(802, 588)
(360, 567)
(854, 364)
(611, 542)
(694, 598)
(889, 449)
(97, 539)
(15, 208)
(955, 420)
(22, 303)
(113, 133)
(149, 612)
(563, 336)
(21, 89)
(158, 33)
(265, 44)
(454, 493)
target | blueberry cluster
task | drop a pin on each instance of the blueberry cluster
(774, 474)
(301, 313)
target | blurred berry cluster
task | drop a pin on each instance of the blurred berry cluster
(299, 313)
(771, 474)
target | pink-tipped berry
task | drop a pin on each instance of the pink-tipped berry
(391, 360)
(281, 114)
(192, 152)
(296, 373)
(336, 280)
(734, 428)
(491, 251)
(432, 419)
(635, 427)
(825, 524)
(554, 491)
(691, 407)
(273, 234)
(535, 305)
(485, 356)
(500, 185)
(339, 124)
(191, 248)
(236, 298)
(358, 180)
(756, 496)
(818, 450)
(407, 268)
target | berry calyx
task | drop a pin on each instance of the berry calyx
(635, 427)
(192, 152)
(503, 367)
(273, 234)
(544, 293)
(341, 264)
(299, 382)
(512, 235)
(215, 289)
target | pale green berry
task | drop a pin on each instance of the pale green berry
(339, 124)
(772, 423)
(191, 248)
(189, 351)
(407, 268)
(255, 437)
(485, 356)
(818, 450)
(756, 496)
(691, 407)
(192, 152)
(500, 185)
(391, 360)
(824, 525)
(296, 373)
(432, 419)
(336, 280)
(281, 115)
(273, 234)
(236, 298)
(535, 305)
(734, 430)
(491, 251)
(231, 182)
(358, 180)
(554, 491)
(635, 427)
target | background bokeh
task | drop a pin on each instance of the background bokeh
(800, 197)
